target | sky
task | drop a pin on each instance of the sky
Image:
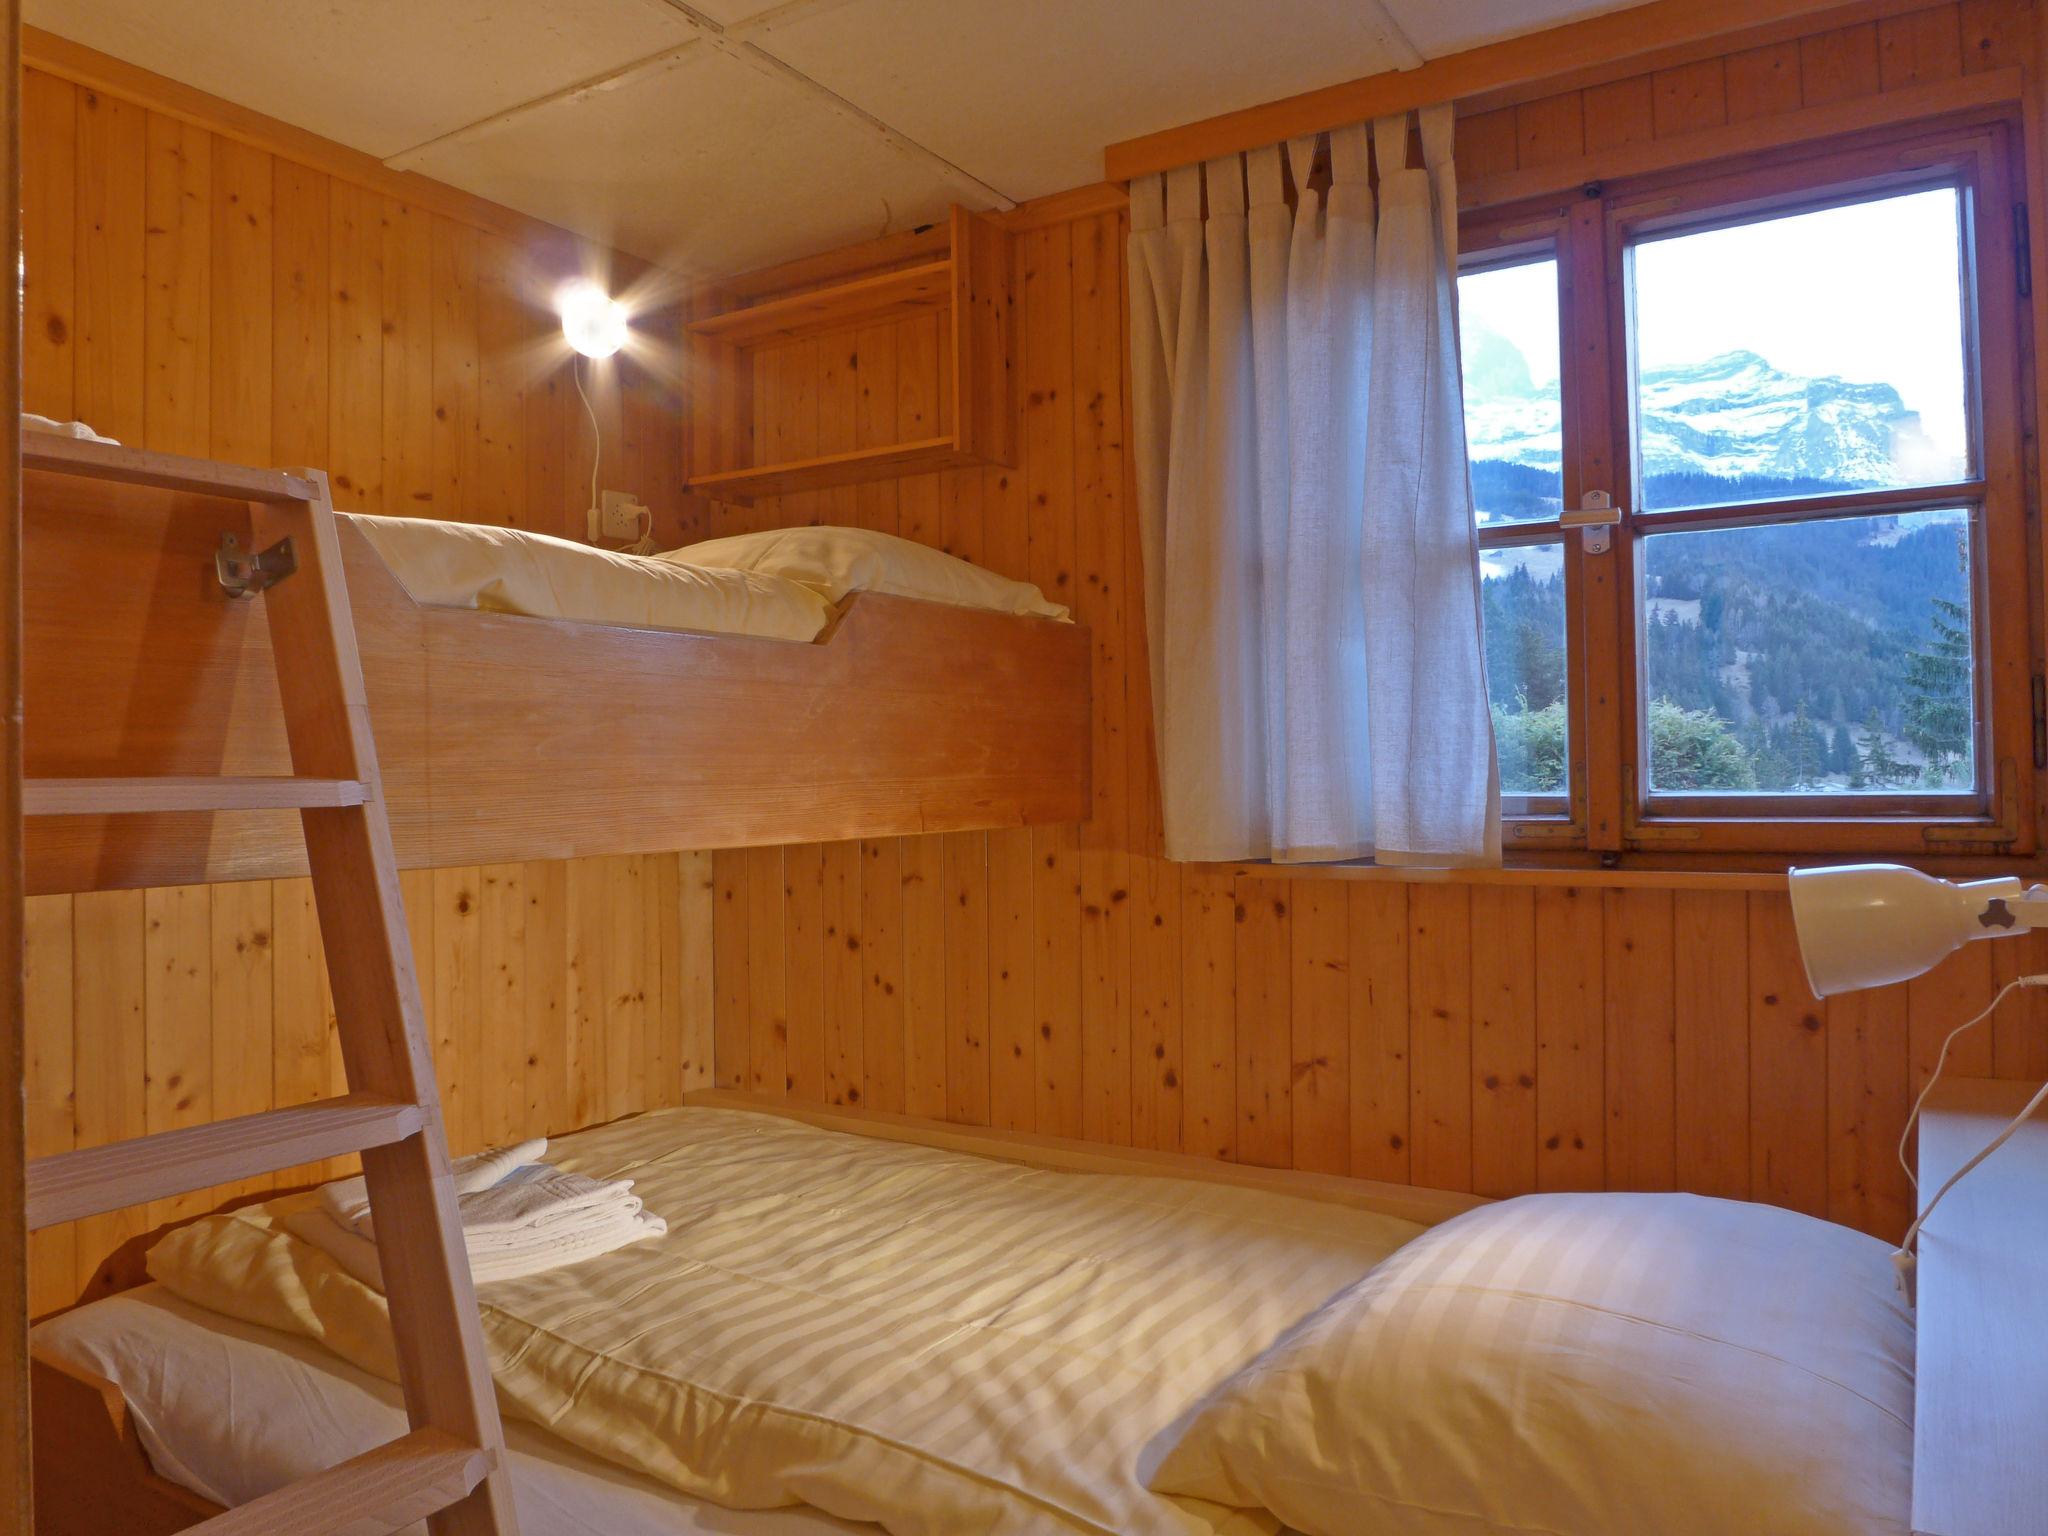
(1520, 304)
(1869, 292)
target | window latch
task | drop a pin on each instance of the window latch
(1596, 514)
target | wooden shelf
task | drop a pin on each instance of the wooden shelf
(970, 289)
(852, 468)
(864, 301)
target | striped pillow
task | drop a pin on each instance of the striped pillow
(1581, 1364)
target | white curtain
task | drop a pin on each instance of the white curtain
(1311, 569)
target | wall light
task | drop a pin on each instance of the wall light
(592, 320)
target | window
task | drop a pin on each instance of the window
(1809, 628)
(1514, 428)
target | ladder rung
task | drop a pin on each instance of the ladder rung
(68, 1185)
(120, 797)
(166, 471)
(373, 1494)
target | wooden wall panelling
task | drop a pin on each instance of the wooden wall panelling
(765, 999)
(1265, 1120)
(49, 232)
(244, 1038)
(1797, 65)
(964, 858)
(194, 291)
(1570, 1070)
(1495, 1037)
(924, 976)
(177, 1012)
(1710, 1059)
(1157, 1115)
(1639, 1040)
(1503, 967)
(1014, 1037)
(1380, 1031)
(108, 360)
(1788, 1066)
(1319, 1027)
(1209, 991)
(1440, 945)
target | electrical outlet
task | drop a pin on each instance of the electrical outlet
(618, 515)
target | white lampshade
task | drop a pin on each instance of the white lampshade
(594, 322)
(1867, 925)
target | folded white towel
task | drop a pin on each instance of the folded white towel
(30, 422)
(358, 1255)
(539, 1201)
(348, 1200)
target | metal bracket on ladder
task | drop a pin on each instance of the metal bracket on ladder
(245, 575)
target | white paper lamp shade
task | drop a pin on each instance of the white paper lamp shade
(1868, 925)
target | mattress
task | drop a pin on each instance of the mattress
(929, 1340)
(232, 1411)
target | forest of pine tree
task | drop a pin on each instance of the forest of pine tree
(1825, 656)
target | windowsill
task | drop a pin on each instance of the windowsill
(1637, 872)
(1519, 873)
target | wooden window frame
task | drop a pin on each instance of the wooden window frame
(1608, 813)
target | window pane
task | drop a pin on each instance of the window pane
(1828, 657)
(1507, 320)
(1522, 593)
(1801, 355)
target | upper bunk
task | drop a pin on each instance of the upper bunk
(501, 736)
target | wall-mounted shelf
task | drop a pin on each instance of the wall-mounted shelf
(970, 290)
(864, 301)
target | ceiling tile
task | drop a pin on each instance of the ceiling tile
(1025, 96)
(1437, 29)
(378, 75)
(703, 162)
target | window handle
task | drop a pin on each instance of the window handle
(1596, 514)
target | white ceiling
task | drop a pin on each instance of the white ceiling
(718, 135)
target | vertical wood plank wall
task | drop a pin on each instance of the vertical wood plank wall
(188, 292)
(1494, 1038)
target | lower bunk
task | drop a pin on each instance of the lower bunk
(841, 1332)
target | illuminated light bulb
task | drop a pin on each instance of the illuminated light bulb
(593, 321)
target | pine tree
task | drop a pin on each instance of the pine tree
(1803, 749)
(1879, 769)
(1937, 704)
(1842, 752)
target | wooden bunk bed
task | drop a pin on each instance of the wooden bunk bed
(503, 736)
(197, 711)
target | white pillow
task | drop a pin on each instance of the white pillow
(835, 561)
(1585, 1365)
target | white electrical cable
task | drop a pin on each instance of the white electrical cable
(1941, 1061)
(596, 432)
(644, 545)
(1903, 1259)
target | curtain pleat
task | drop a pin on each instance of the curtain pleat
(1311, 568)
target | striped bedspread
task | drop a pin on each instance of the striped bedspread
(936, 1342)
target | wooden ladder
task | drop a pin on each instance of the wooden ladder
(451, 1468)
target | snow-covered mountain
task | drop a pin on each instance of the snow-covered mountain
(1734, 416)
